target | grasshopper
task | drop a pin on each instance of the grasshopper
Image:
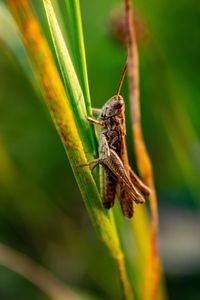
(113, 156)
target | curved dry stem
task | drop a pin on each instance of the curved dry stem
(152, 274)
(36, 274)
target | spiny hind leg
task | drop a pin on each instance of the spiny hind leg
(104, 149)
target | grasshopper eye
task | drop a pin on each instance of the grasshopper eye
(119, 104)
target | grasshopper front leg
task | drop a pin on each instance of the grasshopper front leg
(94, 121)
(96, 111)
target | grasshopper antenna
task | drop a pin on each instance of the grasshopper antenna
(121, 79)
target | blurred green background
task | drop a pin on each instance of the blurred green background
(41, 211)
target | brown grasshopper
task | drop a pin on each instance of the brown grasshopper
(113, 157)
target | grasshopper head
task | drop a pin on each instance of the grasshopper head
(113, 107)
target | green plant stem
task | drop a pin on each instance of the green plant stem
(126, 287)
(63, 118)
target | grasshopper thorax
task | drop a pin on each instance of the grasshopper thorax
(113, 107)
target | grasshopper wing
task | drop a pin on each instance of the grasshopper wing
(126, 203)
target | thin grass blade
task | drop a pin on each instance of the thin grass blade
(74, 13)
(9, 36)
(69, 75)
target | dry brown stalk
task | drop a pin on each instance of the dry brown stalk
(36, 274)
(153, 270)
